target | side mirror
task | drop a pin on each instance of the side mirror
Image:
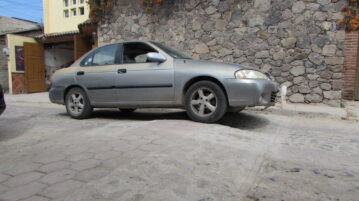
(156, 57)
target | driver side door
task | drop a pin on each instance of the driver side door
(140, 81)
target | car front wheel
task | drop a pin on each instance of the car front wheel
(205, 102)
(77, 104)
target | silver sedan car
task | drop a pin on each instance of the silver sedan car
(140, 74)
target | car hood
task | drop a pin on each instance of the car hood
(212, 64)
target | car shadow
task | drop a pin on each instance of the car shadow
(243, 120)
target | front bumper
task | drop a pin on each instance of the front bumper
(251, 92)
(56, 95)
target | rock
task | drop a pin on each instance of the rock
(313, 98)
(272, 29)
(221, 24)
(298, 70)
(295, 170)
(316, 58)
(264, 35)
(327, 26)
(316, 171)
(318, 90)
(337, 84)
(266, 68)
(304, 89)
(274, 18)
(313, 6)
(312, 76)
(298, 7)
(289, 42)
(224, 52)
(329, 50)
(210, 10)
(208, 26)
(324, 2)
(287, 14)
(201, 48)
(297, 63)
(196, 25)
(287, 84)
(297, 98)
(279, 55)
(313, 83)
(337, 75)
(262, 54)
(326, 86)
(298, 80)
(320, 40)
(223, 6)
(262, 5)
(334, 60)
(255, 21)
(135, 28)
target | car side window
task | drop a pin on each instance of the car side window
(136, 53)
(102, 56)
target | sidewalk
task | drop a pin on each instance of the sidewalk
(350, 112)
(28, 98)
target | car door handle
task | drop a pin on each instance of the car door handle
(80, 73)
(121, 71)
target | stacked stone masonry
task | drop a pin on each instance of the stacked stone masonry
(298, 42)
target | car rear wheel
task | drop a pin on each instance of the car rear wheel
(77, 104)
(127, 111)
(205, 102)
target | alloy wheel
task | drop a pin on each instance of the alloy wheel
(203, 102)
(76, 103)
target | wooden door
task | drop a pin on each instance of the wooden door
(34, 67)
(82, 46)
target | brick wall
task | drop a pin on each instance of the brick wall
(350, 64)
(18, 83)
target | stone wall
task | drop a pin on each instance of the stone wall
(298, 42)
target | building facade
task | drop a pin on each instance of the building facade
(64, 15)
(21, 27)
(298, 42)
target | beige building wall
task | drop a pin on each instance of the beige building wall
(64, 15)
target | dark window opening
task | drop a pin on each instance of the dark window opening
(136, 53)
(82, 11)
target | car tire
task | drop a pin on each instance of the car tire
(205, 102)
(78, 104)
(127, 111)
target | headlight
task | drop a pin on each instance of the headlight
(251, 74)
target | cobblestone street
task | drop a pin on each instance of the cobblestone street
(161, 155)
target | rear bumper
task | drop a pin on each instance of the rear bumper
(56, 95)
(251, 92)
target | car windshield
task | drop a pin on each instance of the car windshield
(174, 53)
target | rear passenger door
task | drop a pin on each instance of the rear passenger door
(98, 73)
(140, 80)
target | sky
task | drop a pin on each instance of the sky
(24, 9)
